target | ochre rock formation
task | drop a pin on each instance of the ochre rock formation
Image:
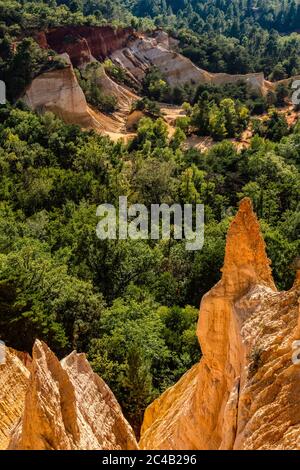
(245, 392)
(136, 53)
(84, 42)
(58, 91)
(81, 45)
(141, 53)
(14, 377)
(125, 97)
(67, 406)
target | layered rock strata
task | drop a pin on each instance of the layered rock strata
(136, 53)
(84, 42)
(146, 51)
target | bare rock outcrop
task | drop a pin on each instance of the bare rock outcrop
(136, 53)
(125, 98)
(14, 377)
(58, 91)
(93, 397)
(67, 406)
(245, 392)
(84, 42)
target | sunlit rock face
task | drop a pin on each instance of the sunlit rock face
(136, 53)
(125, 98)
(58, 90)
(14, 377)
(67, 406)
(245, 392)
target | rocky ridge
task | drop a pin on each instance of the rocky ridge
(59, 405)
(84, 43)
(136, 52)
(160, 50)
(58, 91)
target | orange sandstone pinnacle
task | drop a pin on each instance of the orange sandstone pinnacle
(245, 392)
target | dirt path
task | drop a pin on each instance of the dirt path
(170, 113)
(115, 125)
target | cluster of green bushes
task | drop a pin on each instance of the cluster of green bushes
(147, 106)
(132, 306)
(274, 127)
(19, 68)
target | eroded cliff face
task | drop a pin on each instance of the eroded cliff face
(14, 378)
(58, 91)
(125, 97)
(83, 43)
(67, 406)
(159, 50)
(136, 53)
(245, 392)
